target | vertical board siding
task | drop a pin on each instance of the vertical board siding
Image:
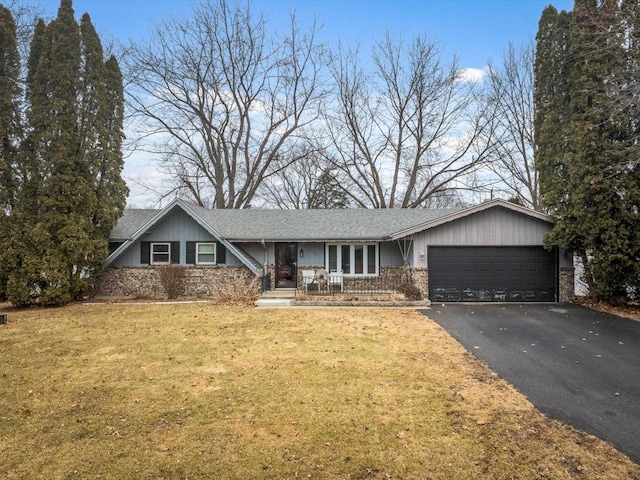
(390, 255)
(493, 227)
(313, 254)
(257, 251)
(177, 226)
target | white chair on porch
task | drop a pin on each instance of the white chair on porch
(322, 279)
(336, 279)
(308, 277)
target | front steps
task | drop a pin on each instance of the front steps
(280, 297)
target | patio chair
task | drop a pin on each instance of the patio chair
(322, 279)
(308, 277)
(336, 279)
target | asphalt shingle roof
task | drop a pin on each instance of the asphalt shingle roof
(130, 222)
(295, 225)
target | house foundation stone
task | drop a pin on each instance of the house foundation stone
(389, 279)
(567, 285)
(201, 282)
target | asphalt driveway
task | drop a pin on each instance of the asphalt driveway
(576, 365)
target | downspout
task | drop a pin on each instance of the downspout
(266, 257)
(266, 279)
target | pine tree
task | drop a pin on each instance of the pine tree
(10, 136)
(10, 105)
(72, 191)
(110, 188)
(327, 192)
(586, 129)
(102, 117)
(551, 98)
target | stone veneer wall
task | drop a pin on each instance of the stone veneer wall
(202, 282)
(389, 277)
(421, 279)
(567, 284)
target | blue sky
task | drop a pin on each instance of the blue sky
(475, 30)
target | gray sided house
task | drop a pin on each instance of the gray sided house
(490, 252)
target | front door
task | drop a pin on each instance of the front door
(286, 265)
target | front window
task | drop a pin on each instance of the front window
(160, 253)
(333, 258)
(206, 254)
(353, 259)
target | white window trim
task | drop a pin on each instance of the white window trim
(152, 253)
(352, 257)
(215, 253)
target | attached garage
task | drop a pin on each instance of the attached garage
(493, 252)
(492, 274)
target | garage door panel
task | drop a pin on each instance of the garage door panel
(479, 274)
(484, 266)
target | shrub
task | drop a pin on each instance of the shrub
(240, 293)
(173, 279)
(411, 292)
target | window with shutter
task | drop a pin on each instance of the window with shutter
(160, 253)
(205, 254)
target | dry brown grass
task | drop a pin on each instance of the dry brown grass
(199, 391)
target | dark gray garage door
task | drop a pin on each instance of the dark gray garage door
(492, 274)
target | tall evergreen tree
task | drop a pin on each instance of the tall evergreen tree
(110, 188)
(10, 104)
(10, 136)
(72, 189)
(551, 98)
(585, 131)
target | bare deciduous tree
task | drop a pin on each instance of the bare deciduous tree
(222, 101)
(311, 182)
(408, 128)
(510, 96)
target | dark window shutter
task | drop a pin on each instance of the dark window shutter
(191, 253)
(145, 253)
(175, 252)
(113, 246)
(221, 253)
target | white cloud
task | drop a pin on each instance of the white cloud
(472, 75)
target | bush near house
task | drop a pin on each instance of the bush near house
(173, 278)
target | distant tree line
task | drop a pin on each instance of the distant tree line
(61, 132)
(238, 114)
(235, 112)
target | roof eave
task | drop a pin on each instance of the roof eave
(228, 245)
(307, 240)
(159, 216)
(470, 211)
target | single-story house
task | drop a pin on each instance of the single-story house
(490, 252)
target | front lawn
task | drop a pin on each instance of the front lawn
(195, 391)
